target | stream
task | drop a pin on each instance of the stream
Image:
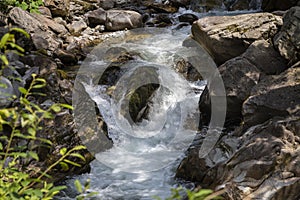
(143, 159)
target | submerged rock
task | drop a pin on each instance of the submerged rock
(226, 37)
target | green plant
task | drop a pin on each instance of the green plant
(83, 190)
(8, 44)
(30, 5)
(20, 130)
(21, 125)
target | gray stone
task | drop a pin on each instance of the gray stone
(77, 26)
(96, 17)
(263, 55)
(287, 40)
(58, 8)
(6, 92)
(277, 95)
(226, 37)
(122, 19)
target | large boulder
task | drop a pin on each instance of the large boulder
(263, 55)
(287, 40)
(273, 5)
(239, 77)
(263, 163)
(226, 37)
(58, 8)
(277, 95)
(39, 27)
(122, 19)
(96, 17)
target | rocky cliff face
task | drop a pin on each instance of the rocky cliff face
(260, 70)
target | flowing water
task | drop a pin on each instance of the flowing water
(143, 160)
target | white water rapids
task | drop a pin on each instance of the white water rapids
(143, 160)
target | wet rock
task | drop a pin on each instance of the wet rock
(58, 8)
(66, 57)
(226, 37)
(277, 95)
(96, 17)
(287, 41)
(263, 55)
(239, 77)
(6, 92)
(188, 17)
(264, 158)
(77, 26)
(273, 5)
(122, 19)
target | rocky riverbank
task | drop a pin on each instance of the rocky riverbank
(258, 57)
(257, 156)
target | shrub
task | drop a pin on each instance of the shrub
(29, 5)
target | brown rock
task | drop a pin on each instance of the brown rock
(263, 55)
(277, 95)
(287, 40)
(59, 8)
(226, 37)
(239, 77)
(274, 5)
(121, 19)
(96, 17)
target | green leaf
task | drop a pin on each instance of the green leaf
(23, 90)
(79, 147)
(72, 163)
(1, 146)
(78, 156)
(39, 86)
(64, 166)
(20, 31)
(66, 106)
(78, 186)
(33, 155)
(31, 131)
(56, 108)
(63, 151)
(4, 40)
(4, 60)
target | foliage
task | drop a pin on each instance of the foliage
(203, 194)
(29, 5)
(20, 127)
(83, 190)
(8, 44)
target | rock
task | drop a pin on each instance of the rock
(160, 7)
(287, 41)
(239, 77)
(44, 63)
(122, 19)
(187, 17)
(226, 37)
(6, 92)
(206, 5)
(66, 57)
(58, 8)
(96, 17)
(264, 158)
(2, 19)
(277, 95)
(274, 5)
(80, 7)
(107, 4)
(263, 55)
(54, 26)
(45, 11)
(77, 26)
(180, 3)
(38, 27)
